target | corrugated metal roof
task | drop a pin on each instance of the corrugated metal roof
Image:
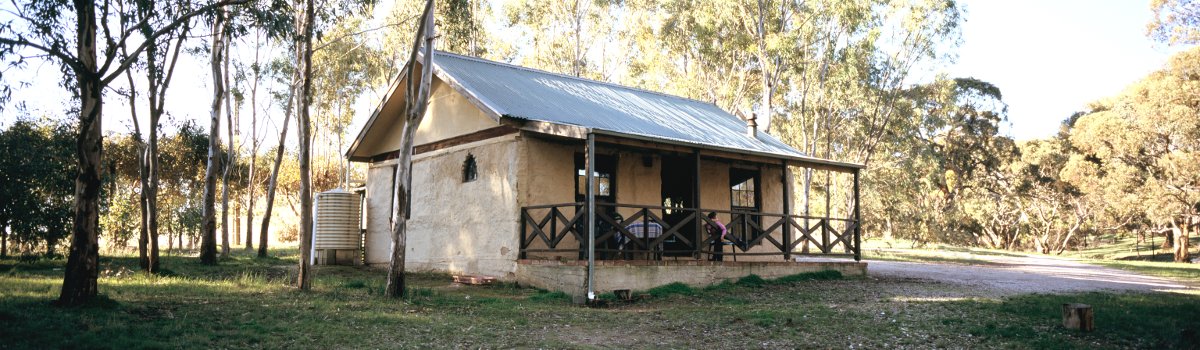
(524, 93)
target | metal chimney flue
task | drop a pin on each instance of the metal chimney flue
(752, 125)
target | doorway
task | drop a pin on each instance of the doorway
(678, 186)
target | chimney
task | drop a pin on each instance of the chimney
(752, 125)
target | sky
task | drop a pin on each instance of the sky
(1049, 58)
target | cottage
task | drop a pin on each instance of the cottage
(500, 185)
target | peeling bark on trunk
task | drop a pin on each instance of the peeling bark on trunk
(143, 172)
(417, 98)
(79, 280)
(144, 183)
(250, 185)
(304, 132)
(230, 154)
(273, 182)
(1182, 235)
(208, 227)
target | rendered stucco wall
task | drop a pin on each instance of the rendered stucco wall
(547, 178)
(456, 227)
(637, 183)
(377, 242)
(449, 114)
(445, 101)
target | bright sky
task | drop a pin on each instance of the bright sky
(1049, 58)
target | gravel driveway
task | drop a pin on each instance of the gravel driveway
(1010, 275)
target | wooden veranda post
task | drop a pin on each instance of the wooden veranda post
(700, 232)
(787, 212)
(857, 220)
(591, 213)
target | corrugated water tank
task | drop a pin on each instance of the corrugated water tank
(337, 233)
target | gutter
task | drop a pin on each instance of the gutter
(835, 165)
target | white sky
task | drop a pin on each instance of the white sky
(1049, 58)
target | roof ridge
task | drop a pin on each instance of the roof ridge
(535, 70)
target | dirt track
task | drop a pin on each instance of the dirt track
(1007, 275)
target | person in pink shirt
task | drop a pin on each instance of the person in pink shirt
(714, 226)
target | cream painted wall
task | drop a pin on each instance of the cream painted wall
(547, 178)
(445, 101)
(456, 227)
(637, 183)
(378, 239)
(449, 114)
(466, 227)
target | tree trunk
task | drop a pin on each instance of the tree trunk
(250, 183)
(229, 159)
(143, 169)
(208, 227)
(1182, 255)
(253, 156)
(417, 98)
(1168, 238)
(152, 189)
(79, 278)
(144, 181)
(4, 241)
(304, 130)
(273, 181)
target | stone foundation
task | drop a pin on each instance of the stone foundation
(571, 276)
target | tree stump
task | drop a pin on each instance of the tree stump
(1078, 316)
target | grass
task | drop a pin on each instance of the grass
(877, 249)
(248, 303)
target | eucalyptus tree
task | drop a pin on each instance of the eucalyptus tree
(417, 90)
(343, 69)
(161, 56)
(305, 26)
(1175, 21)
(564, 36)
(219, 28)
(88, 69)
(279, 69)
(224, 27)
(1144, 146)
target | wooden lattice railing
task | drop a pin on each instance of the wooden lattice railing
(545, 229)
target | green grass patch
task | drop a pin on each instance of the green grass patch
(248, 302)
(547, 296)
(810, 276)
(751, 281)
(667, 290)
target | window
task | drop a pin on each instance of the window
(743, 187)
(605, 188)
(603, 183)
(745, 200)
(470, 171)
